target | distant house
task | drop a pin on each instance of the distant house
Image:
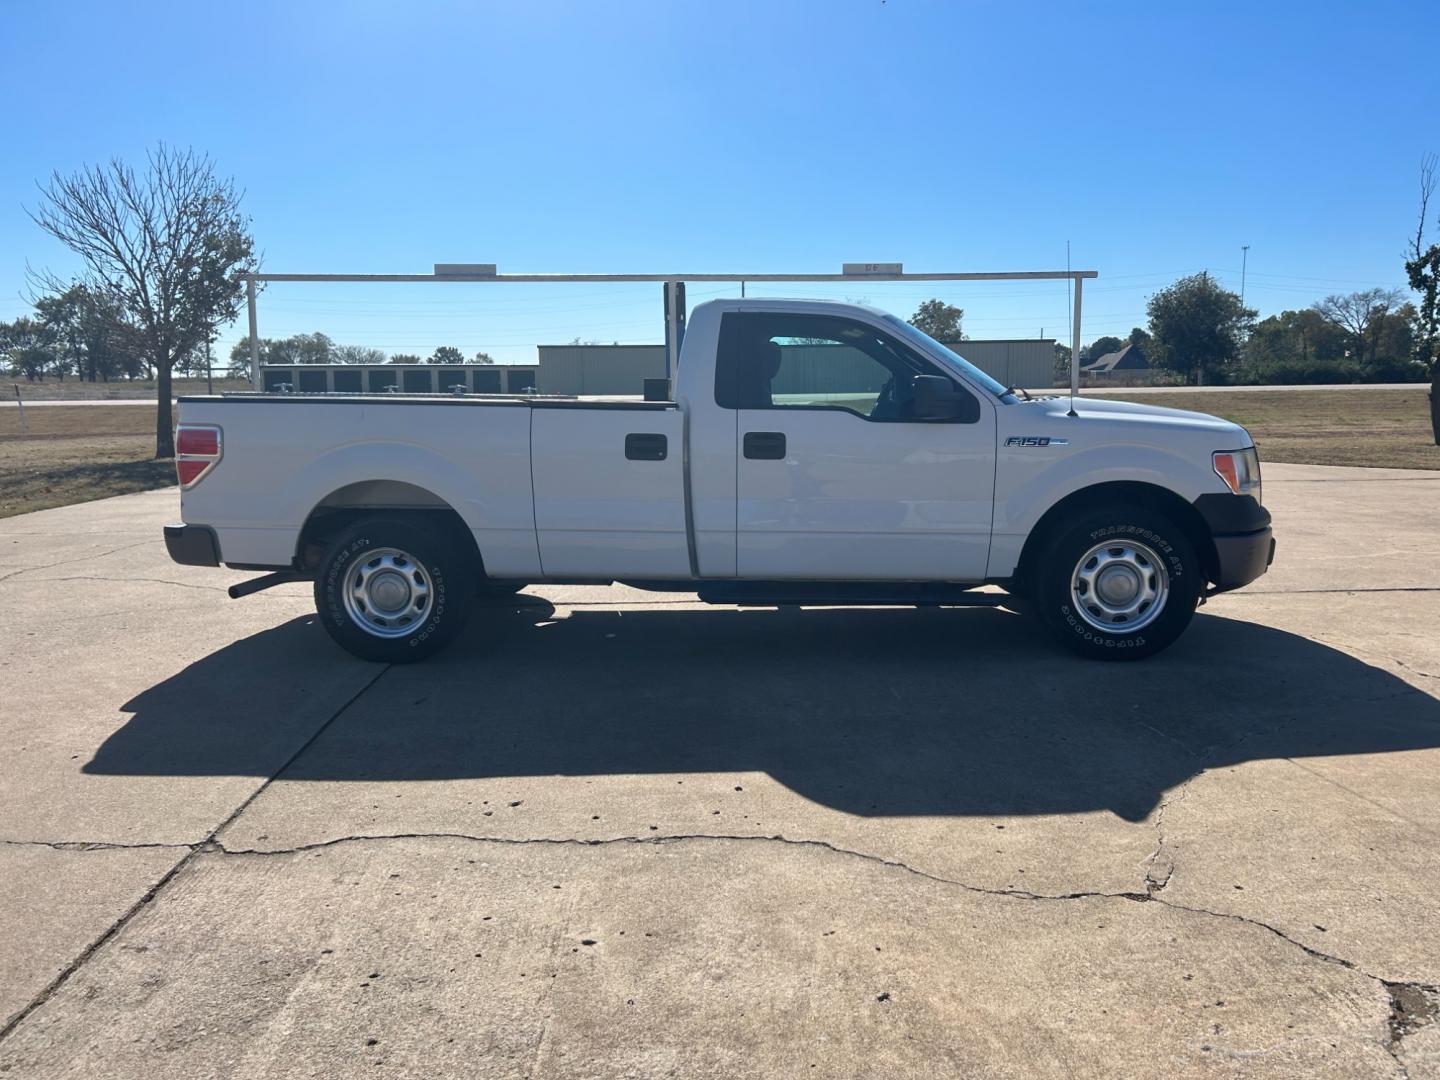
(1130, 358)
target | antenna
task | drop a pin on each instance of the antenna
(1074, 314)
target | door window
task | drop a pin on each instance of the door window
(792, 361)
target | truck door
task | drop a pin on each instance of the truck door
(836, 478)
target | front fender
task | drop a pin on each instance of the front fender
(1034, 480)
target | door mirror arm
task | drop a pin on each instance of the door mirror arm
(934, 397)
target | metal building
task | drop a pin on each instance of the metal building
(599, 369)
(399, 378)
(1027, 362)
(605, 370)
(621, 369)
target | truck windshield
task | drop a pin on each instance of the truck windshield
(925, 341)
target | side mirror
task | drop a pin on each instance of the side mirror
(934, 397)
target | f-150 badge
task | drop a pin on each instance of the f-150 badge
(1035, 440)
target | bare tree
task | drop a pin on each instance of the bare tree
(168, 246)
(1422, 265)
(1361, 315)
(357, 354)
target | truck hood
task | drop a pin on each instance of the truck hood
(1125, 416)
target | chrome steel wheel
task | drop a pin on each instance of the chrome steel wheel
(387, 592)
(1120, 585)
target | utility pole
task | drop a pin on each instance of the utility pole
(209, 381)
(1244, 263)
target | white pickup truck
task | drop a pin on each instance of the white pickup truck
(811, 453)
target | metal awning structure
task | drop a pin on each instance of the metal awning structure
(674, 291)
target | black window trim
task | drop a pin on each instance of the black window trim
(929, 365)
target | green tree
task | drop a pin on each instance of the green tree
(64, 314)
(305, 349)
(316, 348)
(110, 344)
(1297, 346)
(1423, 270)
(169, 245)
(240, 357)
(483, 358)
(1062, 364)
(1100, 347)
(1197, 328)
(1140, 339)
(28, 346)
(405, 358)
(1395, 346)
(939, 319)
(446, 354)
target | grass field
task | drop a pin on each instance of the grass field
(76, 454)
(79, 390)
(1375, 428)
(88, 452)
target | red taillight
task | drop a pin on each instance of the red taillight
(197, 449)
(189, 470)
(200, 441)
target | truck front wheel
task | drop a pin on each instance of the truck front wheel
(390, 591)
(1119, 583)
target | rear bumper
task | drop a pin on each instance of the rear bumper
(192, 545)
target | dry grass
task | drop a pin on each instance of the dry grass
(84, 452)
(77, 390)
(76, 454)
(1375, 428)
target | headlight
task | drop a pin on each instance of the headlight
(1240, 469)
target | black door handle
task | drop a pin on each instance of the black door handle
(765, 445)
(646, 447)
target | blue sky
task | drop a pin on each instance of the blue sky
(768, 136)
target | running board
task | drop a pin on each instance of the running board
(847, 594)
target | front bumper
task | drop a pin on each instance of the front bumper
(1244, 542)
(192, 545)
(1242, 559)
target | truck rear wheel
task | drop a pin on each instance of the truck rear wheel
(390, 591)
(1119, 583)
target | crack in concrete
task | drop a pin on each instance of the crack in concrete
(83, 558)
(150, 580)
(1155, 884)
(95, 845)
(1412, 1006)
(824, 845)
(1382, 656)
(119, 924)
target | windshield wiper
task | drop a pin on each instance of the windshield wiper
(1012, 389)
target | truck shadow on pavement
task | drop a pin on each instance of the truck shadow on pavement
(881, 712)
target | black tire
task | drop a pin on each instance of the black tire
(437, 566)
(1085, 631)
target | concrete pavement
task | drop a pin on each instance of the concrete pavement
(618, 833)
